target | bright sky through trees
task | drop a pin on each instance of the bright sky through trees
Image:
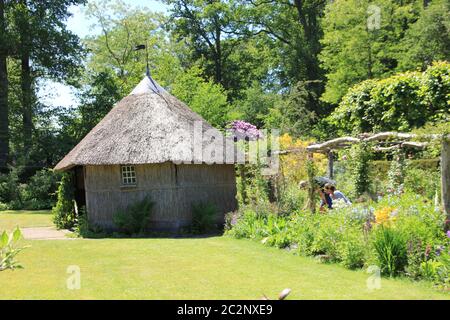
(58, 94)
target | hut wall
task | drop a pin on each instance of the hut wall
(173, 188)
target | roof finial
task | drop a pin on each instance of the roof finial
(147, 70)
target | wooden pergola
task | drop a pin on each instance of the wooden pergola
(388, 141)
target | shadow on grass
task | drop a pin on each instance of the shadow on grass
(153, 235)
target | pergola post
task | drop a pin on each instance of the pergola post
(445, 176)
(330, 164)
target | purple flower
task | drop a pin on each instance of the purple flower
(242, 130)
(448, 234)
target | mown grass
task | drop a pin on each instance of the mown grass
(24, 218)
(188, 268)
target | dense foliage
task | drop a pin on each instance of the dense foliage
(401, 102)
(38, 193)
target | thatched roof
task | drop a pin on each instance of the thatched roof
(149, 126)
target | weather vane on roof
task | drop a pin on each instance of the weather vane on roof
(144, 47)
(147, 73)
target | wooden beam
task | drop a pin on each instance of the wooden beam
(389, 135)
(328, 145)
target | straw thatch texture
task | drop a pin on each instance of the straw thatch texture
(173, 188)
(150, 127)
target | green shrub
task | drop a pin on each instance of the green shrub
(10, 189)
(203, 217)
(248, 225)
(9, 250)
(390, 249)
(64, 215)
(442, 276)
(424, 182)
(327, 236)
(85, 229)
(401, 102)
(304, 232)
(135, 218)
(352, 249)
(40, 191)
(292, 199)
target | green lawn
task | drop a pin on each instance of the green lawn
(201, 268)
(23, 218)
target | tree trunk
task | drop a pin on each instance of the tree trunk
(218, 57)
(27, 110)
(445, 176)
(25, 77)
(4, 112)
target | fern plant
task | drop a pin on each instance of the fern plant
(135, 218)
(203, 217)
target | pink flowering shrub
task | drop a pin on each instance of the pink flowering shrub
(242, 130)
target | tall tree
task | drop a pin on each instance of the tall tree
(209, 27)
(43, 38)
(4, 112)
(361, 41)
(428, 39)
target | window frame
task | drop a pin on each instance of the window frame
(128, 176)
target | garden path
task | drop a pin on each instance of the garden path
(45, 233)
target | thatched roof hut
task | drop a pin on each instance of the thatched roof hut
(152, 144)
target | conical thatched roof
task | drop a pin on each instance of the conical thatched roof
(149, 126)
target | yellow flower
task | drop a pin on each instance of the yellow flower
(293, 165)
(384, 216)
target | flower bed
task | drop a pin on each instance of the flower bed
(402, 235)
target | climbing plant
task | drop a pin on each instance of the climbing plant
(360, 158)
(64, 215)
(397, 170)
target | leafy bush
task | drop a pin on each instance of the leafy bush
(64, 215)
(9, 249)
(203, 217)
(36, 194)
(352, 249)
(390, 249)
(85, 229)
(424, 182)
(10, 189)
(401, 102)
(292, 199)
(135, 218)
(39, 193)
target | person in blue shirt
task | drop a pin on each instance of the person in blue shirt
(325, 200)
(334, 194)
